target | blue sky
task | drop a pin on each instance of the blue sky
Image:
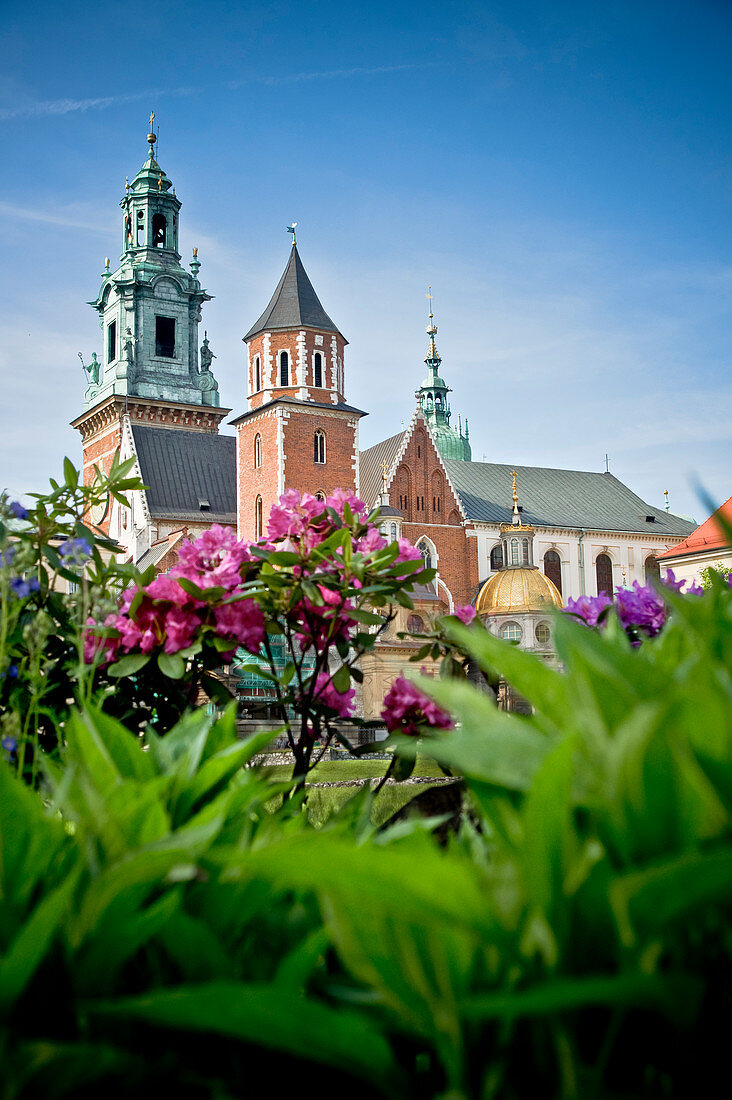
(559, 172)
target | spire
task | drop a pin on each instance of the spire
(433, 399)
(516, 517)
(294, 304)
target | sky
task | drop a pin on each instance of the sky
(559, 173)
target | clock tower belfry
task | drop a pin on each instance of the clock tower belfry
(149, 371)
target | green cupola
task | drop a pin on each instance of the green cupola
(432, 396)
(150, 307)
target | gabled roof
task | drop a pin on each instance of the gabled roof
(708, 535)
(576, 499)
(294, 304)
(370, 468)
(185, 470)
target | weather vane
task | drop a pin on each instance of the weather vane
(291, 229)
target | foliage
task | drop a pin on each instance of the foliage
(325, 579)
(163, 926)
(710, 572)
(44, 549)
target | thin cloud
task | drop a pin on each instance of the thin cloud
(58, 107)
(26, 213)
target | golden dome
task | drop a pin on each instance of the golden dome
(513, 590)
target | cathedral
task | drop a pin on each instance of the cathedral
(513, 540)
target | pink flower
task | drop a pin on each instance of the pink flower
(96, 645)
(180, 629)
(408, 710)
(243, 621)
(465, 614)
(372, 541)
(343, 703)
(214, 560)
(294, 514)
(341, 497)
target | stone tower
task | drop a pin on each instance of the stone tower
(432, 396)
(149, 312)
(297, 432)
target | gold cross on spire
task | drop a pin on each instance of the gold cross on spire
(152, 119)
(383, 476)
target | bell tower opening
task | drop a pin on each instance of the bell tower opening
(159, 228)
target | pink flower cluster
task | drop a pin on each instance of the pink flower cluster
(408, 710)
(168, 618)
(342, 702)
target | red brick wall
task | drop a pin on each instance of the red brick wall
(432, 510)
(254, 482)
(100, 451)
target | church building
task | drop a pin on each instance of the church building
(513, 540)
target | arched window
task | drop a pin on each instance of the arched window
(257, 374)
(511, 632)
(426, 552)
(159, 227)
(284, 369)
(257, 451)
(258, 518)
(525, 551)
(320, 495)
(393, 532)
(553, 568)
(140, 234)
(128, 231)
(318, 370)
(652, 569)
(496, 558)
(415, 624)
(319, 447)
(604, 571)
(514, 552)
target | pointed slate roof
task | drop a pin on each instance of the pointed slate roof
(294, 303)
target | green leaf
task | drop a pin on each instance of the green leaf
(268, 1015)
(341, 679)
(129, 665)
(172, 665)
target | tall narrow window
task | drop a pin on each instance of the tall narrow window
(257, 375)
(604, 570)
(159, 227)
(525, 551)
(257, 451)
(318, 370)
(165, 337)
(393, 532)
(514, 552)
(319, 447)
(258, 518)
(112, 342)
(496, 559)
(553, 568)
(426, 552)
(284, 369)
(140, 233)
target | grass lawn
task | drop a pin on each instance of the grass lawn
(333, 771)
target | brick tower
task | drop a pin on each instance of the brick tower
(149, 311)
(297, 432)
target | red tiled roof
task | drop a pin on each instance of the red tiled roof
(708, 536)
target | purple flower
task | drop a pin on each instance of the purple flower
(408, 710)
(465, 614)
(669, 581)
(588, 608)
(23, 588)
(8, 745)
(7, 557)
(342, 702)
(12, 673)
(76, 550)
(18, 510)
(694, 589)
(641, 608)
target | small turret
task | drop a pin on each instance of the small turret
(432, 396)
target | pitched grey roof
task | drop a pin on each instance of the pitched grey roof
(370, 468)
(184, 469)
(294, 303)
(558, 498)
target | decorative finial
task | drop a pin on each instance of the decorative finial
(291, 229)
(127, 184)
(665, 493)
(152, 136)
(195, 264)
(432, 352)
(623, 572)
(106, 273)
(516, 517)
(160, 180)
(383, 476)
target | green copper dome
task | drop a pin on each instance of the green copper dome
(432, 396)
